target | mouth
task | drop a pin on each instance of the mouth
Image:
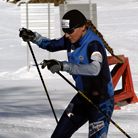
(70, 39)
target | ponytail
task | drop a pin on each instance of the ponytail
(109, 49)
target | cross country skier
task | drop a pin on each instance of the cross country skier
(89, 67)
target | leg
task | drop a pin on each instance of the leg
(71, 120)
(98, 124)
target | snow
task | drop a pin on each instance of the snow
(24, 108)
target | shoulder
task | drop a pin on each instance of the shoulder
(95, 46)
(95, 51)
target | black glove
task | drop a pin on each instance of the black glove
(53, 65)
(27, 35)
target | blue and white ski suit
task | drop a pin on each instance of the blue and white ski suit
(89, 67)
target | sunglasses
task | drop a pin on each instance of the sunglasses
(70, 31)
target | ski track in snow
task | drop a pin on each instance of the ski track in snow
(24, 125)
(24, 109)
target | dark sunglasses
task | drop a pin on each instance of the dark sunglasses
(70, 31)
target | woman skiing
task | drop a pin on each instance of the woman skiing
(88, 64)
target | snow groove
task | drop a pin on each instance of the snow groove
(17, 128)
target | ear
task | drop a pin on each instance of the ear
(83, 28)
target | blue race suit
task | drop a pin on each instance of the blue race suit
(81, 66)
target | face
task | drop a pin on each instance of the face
(77, 34)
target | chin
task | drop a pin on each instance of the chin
(72, 41)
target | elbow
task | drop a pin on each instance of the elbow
(96, 72)
(97, 68)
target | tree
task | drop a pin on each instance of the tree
(56, 2)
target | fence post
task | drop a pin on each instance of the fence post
(90, 8)
(65, 7)
(49, 26)
(27, 26)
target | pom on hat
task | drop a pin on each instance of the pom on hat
(71, 19)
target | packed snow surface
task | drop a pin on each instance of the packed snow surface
(24, 107)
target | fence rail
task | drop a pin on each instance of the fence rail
(41, 18)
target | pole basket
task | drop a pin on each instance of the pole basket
(121, 72)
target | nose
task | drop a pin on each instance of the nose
(67, 35)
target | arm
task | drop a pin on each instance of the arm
(48, 44)
(91, 69)
(43, 42)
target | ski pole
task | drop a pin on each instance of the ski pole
(83, 95)
(42, 80)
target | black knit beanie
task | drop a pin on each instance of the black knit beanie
(71, 19)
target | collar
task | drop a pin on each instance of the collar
(81, 41)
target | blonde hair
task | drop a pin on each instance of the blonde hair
(109, 49)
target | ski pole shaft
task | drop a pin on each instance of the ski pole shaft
(94, 105)
(42, 81)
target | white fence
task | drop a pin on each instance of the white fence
(39, 18)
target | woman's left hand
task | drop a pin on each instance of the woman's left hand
(53, 65)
